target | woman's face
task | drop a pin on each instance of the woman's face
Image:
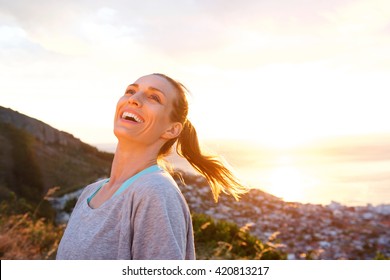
(143, 112)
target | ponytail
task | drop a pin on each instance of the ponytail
(220, 178)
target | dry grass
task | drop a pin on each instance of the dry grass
(25, 238)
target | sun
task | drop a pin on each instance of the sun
(288, 181)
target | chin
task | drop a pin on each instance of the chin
(121, 134)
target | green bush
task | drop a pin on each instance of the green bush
(225, 240)
(381, 256)
(24, 175)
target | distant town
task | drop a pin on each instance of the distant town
(305, 231)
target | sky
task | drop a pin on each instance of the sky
(280, 73)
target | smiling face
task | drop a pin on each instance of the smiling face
(143, 112)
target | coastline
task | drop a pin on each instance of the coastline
(317, 175)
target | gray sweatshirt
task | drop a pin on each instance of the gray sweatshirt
(149, 220)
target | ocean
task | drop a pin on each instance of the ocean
(353, 171)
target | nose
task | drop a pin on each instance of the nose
(135, 100)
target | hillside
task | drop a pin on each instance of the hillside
(35, 157)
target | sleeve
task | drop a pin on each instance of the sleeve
(160, 225)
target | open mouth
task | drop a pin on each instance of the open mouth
(131, 117)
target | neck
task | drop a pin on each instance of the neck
(129, 160)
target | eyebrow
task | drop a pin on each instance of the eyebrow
(149, 88)
(156, 89)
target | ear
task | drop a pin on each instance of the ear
(172, 131)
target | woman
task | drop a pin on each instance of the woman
(139, 212)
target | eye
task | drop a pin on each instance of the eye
(130, 91)
(155, 98)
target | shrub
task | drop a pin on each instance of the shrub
(225, 240)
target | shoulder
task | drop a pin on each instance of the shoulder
(160, 182)
(158, 188)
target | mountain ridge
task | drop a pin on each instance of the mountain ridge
(40, 130)
(34, 157)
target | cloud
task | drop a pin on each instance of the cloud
(223, 33)
(279, 50)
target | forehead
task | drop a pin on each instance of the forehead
(157, 82)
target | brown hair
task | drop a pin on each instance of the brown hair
(218, 175)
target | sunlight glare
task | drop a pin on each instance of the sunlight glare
(289, 183)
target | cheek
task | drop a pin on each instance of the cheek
(119, 104)
(121, 101)
(165, 116)
(169, 112)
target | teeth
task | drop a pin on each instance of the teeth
(131, 115)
